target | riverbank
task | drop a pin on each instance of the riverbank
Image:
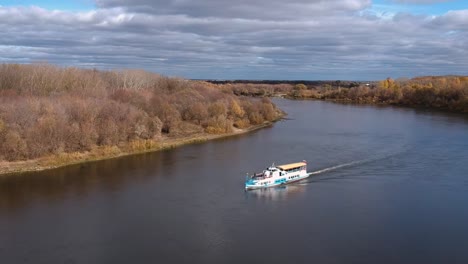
(445, 109)
(110, 152)
(447, 93)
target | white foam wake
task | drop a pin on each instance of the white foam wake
(338, 166)
(352, 163)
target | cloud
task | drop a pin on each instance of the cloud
(197, 42)
(259, 9)
(453, 20)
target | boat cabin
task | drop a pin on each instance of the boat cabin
(277, 171)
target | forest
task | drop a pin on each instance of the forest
(438, 92)
(48, 110)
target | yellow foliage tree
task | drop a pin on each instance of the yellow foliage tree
(236, 109)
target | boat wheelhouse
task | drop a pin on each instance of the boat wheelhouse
(277, 175)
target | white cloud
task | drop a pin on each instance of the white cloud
(180, 39)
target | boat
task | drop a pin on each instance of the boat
(277, 175)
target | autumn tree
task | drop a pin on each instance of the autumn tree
(236, 110)
(196, 112)
(46, 110)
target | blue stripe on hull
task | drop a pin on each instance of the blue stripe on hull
(275, 183)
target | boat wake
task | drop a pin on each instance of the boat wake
(338, 166)
(353, 163)
(349, 164)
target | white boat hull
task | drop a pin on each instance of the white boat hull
(272, 182)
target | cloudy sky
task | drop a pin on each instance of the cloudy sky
(242, 39)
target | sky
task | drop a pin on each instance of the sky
(242, 39)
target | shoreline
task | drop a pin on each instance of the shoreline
(379, 104)
(111, 152)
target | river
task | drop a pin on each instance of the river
(390, 185)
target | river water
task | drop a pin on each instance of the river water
(390, 185)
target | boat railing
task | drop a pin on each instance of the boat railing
(260, 176)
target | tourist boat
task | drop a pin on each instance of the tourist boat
(277, 175)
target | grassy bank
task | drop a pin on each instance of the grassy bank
(109, 152)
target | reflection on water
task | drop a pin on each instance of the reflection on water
(17, 191)
(277, 193)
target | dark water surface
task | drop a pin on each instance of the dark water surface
(398, 195)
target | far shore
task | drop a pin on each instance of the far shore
(110, 152)
(378, 104)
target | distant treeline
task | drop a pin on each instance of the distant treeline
(317, 83)
(47, 110)
(441, 92)
(283, 88)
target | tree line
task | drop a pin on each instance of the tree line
(441, 92)
(45, 109)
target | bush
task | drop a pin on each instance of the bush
(13, 147)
